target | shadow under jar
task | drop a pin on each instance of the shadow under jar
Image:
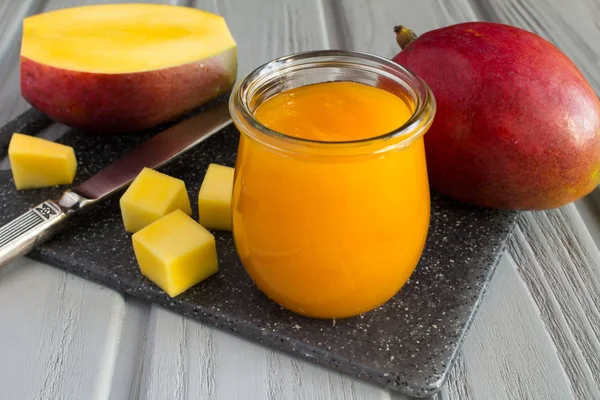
(330, 229)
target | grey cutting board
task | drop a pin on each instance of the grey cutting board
(407, 345)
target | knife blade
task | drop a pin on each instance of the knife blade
(41, 222)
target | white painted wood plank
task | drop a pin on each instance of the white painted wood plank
(268, 29)
(589, 210)
(56, 4)
(11, 15)
(564, 289)
(457, 386)
(579, 260)
(507, 353)
(128, 369)
(10, 95)
(58, 334)
(186, 360)
(364, 25)
(571, 357)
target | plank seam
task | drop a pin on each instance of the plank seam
(335, 25)
(483, 11)
(557, 327)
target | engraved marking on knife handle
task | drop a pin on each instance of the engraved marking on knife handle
(35, 226)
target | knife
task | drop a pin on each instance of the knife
(41, 222)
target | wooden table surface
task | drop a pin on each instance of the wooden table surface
(536, 335)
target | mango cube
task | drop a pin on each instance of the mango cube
(175, 252)
(214, 198)
(37, 162)
(151, 196)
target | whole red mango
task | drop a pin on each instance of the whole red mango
(517, 124)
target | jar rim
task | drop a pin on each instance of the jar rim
(421, 117)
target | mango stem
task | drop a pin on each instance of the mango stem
(404, 36)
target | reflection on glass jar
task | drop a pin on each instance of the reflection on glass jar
(330, 229)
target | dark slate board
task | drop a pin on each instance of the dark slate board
(407, 345)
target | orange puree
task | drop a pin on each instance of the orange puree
(334, 112)
(330, 234)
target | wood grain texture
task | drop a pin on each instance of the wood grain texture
(589, 210)
(185, 360)
(557, 258)
(495, 365)
(11, 15)
(58, 334)
(130, 355)
(268, 29)
(350, 27)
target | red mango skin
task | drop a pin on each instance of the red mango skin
(115, 103)
(517, 125)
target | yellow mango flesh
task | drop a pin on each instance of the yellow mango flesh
(151, 196)
(123, 38)
(214, 198)
(37, 162)
(175, 252)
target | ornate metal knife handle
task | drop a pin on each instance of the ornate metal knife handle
(37, 225)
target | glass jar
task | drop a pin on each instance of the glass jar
(330, 229)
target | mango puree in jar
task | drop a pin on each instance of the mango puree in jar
(331, 235)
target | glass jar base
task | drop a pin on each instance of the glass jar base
(333, 310)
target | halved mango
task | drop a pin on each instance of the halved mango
(124, 67)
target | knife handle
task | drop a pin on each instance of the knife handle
(37, 225)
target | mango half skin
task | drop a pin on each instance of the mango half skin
(114, 103)
(517, 125)
(124, 67)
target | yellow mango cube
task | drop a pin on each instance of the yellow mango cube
(151, 196)
(214, 198)
(37, 162)
(175, 252)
